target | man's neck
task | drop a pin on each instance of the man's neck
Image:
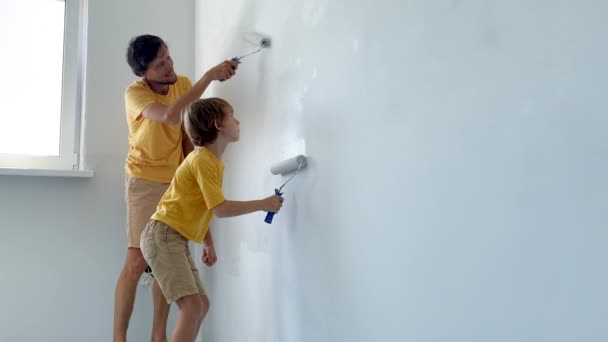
(158, 88)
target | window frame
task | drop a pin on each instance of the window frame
(72, 102)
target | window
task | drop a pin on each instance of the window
(42, 63)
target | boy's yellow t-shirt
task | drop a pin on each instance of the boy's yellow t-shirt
(155, 148)
(195, 189)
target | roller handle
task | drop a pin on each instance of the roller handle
(270, 215)
(236, 59)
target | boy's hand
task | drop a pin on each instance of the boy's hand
(209, 256)
(272, 204)
(223, 71)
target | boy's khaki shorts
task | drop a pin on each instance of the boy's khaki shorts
(142, 197)
(168, 254)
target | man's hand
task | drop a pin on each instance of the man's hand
(223, 71)
(209, 256)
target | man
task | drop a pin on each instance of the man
(157, 145)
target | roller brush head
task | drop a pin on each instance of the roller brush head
(289, 165)
(265, 43)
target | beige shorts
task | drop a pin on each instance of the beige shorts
(142, 197)
(168, 254)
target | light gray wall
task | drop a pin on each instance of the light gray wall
(457, 183)
(63, 242)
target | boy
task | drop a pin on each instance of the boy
(185, 211)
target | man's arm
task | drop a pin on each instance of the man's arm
(172, 114)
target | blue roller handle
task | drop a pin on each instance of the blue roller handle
(270, 215)
(236, 59)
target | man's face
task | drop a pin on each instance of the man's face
(161, 69)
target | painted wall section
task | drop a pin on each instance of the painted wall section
(456, 188)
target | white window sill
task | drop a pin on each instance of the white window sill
(46, 173)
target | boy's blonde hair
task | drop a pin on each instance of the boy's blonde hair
(202, 119)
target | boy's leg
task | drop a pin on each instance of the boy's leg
(200, 287)
(125, 292)
(169, 257)
(161, 315)
(190, 317)
(205, 301)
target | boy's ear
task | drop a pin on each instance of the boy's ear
(217, 125)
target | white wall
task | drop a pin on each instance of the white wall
(63, 240)
(457, 183)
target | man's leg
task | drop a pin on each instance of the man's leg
(161, 314)
(125, 292)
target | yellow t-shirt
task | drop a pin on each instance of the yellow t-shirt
(195, 189)
(155, 148)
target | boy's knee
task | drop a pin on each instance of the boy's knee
(195, 305)
(205, 301)
(201, 307)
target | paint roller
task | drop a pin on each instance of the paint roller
(264, 43)
(285, 167)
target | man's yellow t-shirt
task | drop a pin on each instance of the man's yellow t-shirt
(155, 148)
(195, 189)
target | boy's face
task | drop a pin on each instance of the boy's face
(230, 126)
(160, 69)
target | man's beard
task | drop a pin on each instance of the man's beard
(168, 82)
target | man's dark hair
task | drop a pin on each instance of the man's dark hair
(141, 52)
